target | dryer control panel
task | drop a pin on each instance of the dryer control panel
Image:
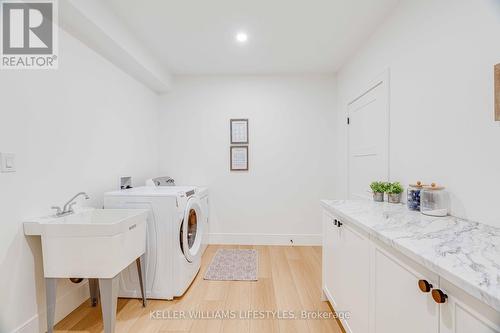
(160, 181)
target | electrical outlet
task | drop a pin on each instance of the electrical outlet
(7, 162)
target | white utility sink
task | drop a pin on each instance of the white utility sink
(91, 243)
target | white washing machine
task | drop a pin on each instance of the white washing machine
(177, 229)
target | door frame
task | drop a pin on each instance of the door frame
(383, 78)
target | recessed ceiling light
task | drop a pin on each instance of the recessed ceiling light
(241, 37)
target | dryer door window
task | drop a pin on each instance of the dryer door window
(192, 227)
(191, 230)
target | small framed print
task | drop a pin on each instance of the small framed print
(239, 131)
(239, 158)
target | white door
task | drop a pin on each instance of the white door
(399, 305)
(368, 137)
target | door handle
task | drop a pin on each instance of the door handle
(339, 224)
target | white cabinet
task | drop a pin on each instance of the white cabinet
(398, 303)
(330, 233)
(379, 287)
(355, 277)
(462, 313)
(347, 268)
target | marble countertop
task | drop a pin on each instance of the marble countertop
(463, 252)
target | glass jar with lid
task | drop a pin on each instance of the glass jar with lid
(434, 200)
(413, 196)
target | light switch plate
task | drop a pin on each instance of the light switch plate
(7, 162)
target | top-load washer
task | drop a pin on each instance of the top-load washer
(176, 237)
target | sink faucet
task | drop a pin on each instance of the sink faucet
(68, 206)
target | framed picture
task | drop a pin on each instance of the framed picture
(497, 92)
(239, 131)
(239, 158)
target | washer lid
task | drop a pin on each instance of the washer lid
(149, 191)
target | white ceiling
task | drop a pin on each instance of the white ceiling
(285, 36)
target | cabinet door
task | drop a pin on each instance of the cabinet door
(398, 304)
(462, 313)
(352, 286)
(330, 237)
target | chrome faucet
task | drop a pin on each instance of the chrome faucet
(68, 206)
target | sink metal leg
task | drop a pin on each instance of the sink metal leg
(109, 296)
(50, 296)
(94, 291)
(141, 270)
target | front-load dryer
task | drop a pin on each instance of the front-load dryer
(175, 238)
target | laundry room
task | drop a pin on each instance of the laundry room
(263, 166)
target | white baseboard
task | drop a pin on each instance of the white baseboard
(64, 306)
(264, 239)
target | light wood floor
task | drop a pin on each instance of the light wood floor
(289, 280)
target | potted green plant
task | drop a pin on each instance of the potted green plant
(394, 191)
(378, 189)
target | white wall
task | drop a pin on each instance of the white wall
(74, 129)
(441, 56)
(292, 124)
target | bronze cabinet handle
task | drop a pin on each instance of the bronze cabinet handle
(439, 296)
(424, 286)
